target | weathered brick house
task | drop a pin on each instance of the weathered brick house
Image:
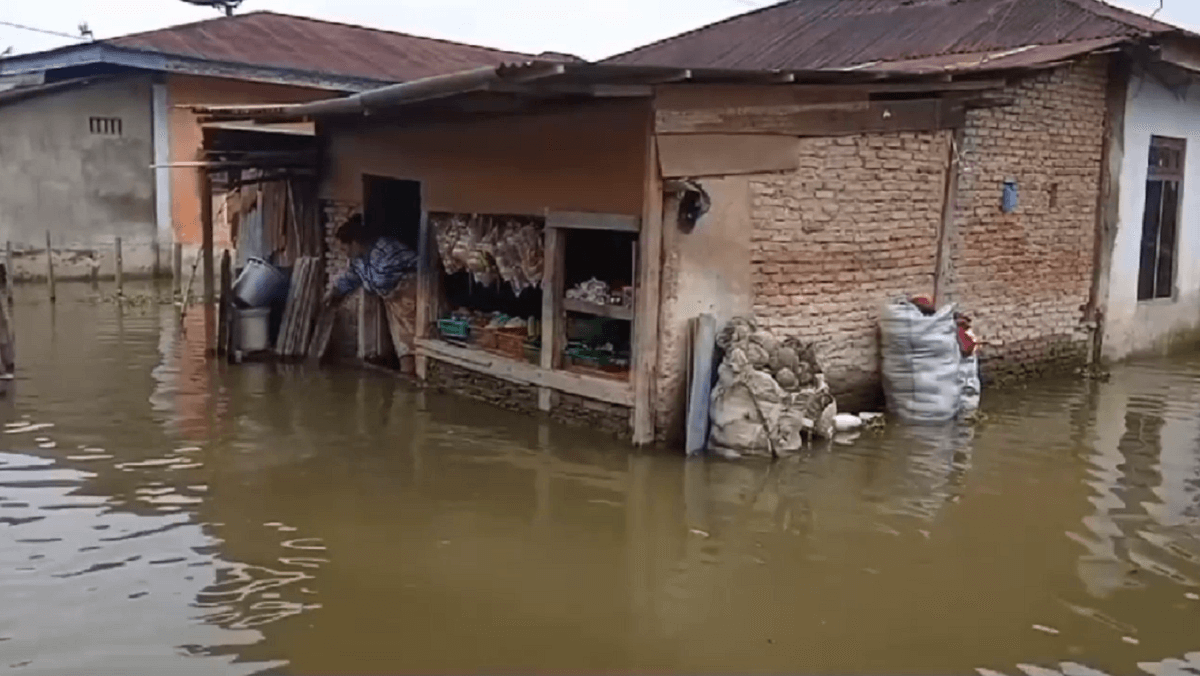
(851, 152)
(1064, 277)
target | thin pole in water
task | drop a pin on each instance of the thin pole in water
(120, 271)
(50, 269)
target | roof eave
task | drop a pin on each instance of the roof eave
(103, 53)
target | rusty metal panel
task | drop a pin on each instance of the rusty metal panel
(819, 34)
(271, 40)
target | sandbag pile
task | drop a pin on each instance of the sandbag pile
(491, 248)
(770, 394)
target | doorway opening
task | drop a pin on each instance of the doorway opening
(392, 208)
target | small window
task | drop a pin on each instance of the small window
(105, 126)
(1160, 222)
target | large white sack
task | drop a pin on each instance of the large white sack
(920, 363)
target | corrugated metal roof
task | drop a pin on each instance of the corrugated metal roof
(807, 34)
(272, 40)
(1019, 58)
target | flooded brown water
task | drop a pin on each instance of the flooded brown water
(161, 514)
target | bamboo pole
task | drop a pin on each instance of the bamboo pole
(120, 262)
(50, 269)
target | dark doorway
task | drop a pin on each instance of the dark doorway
(392, 208)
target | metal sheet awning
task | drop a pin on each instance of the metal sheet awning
(542, 78)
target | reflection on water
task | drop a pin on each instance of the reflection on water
(163, 514)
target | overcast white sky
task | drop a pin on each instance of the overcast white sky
(589, 28)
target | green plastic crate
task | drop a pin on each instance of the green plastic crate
(454, 329)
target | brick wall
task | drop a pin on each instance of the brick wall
(572, 410)
(855, 225)
(1025, 276)
(344, 342)
(859, 222)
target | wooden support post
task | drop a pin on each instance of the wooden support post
(947, 235)
(50, 269)
(427, 289)
(177, 271)
(553, 319)
(224, 313)
(646, 300)
(9, 274)
(120, 274)
(206, 224)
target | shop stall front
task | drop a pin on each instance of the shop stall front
(570, 220)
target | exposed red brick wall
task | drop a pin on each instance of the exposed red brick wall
(856, 225)
(1024, 276)
(344, 342)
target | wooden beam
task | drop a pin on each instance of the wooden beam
(647, 298)
(427, 287)
(580, 220)
(600, 389)
(818, 120)
(206, 225)
(948, 233)
(553, 321)
(692, 155)
(595, 91)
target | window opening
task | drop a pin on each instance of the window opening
(1160, 222)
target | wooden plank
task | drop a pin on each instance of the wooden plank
(206, 225)
(580, 220)
(225, 301)
(691, 155)
(597, 310)
(693, 96)
(818, 120)
(553, 320)
(697, 96)
(427, 287)
(322, 334)
(948, 233)
(700, 387)
(524, 373)
(645, 323)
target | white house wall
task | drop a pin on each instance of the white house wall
(1136, 327)
(58, 175)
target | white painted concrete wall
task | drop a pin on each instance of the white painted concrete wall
(85, 189)
(1133, 327)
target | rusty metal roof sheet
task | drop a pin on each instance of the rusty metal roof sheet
(272, 40)
(817, 34)
(1020, 58)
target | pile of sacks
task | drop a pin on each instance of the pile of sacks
(770, 394)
